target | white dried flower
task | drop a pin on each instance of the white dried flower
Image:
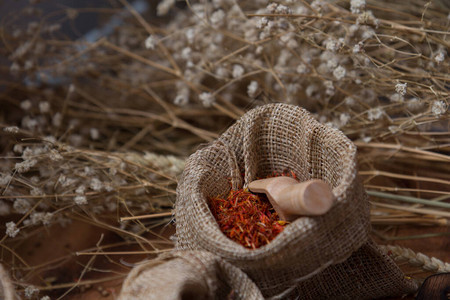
(438, 107)
(339, 72)
(25, 104)
(344, 118)
(190, 35)
(375, 113)
(80, 190)
(252, 88)
(37, 217)
(396, 98)
(401, 88)
(22, 206)
(394, 129)
(332, 45)
(349, 101)
(4, 179)
(181, 99)
(14, 68)
(57, 119)
(207, 99)
(45, 298)
(35, 191)
(96, 184)
(11, 229)
(94, 134)
(25, 166)
(414, 104)
(302, 68)
(30, 291)
(164, 6)
(311, 89)
(283, 9)
(54, 155)
(366, 139)
(80, 200)
(238, 70)
(217, 18)
(5, 209)
(186, 53)
(150, 42)
(329, 87)
(44, 107)
(261, 23)
(356, 6)
(439, 57)
(358, 47)
(11, 129)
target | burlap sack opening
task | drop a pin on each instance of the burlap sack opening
(276, 138)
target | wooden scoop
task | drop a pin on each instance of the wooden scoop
(291, 198)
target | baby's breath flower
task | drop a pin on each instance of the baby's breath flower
(55, 156)
(238, 70)
(396, 97)
(339, 72)
(96, 184)
(150, 42)
(329, 87)
(11, 129)
(357, 5)
(57, 119)
(25, 166)
(181, 99)
(30, 291)
(80, 190)
(11, 229)
(401, 88)
(22, 206)
(302, 68)
(94, 133)
(207, 99)
(80, 199)
(44, 107)
(375, 113)
(217, 17)
(349, 101)
(439, 57)
(358, 47)
(25, 104)
(438, 107)
(45, 298)
(164, 6)
(344, 118)
(252, 88)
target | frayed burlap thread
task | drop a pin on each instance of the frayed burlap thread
(311, 251)
(188, 275)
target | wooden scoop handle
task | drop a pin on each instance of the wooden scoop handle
(291, 198)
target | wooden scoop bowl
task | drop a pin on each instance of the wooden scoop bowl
(291, 198)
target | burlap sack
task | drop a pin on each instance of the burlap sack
(328, 257)
(187, 275)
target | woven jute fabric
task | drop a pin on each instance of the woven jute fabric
(188, 275)
(329, 256)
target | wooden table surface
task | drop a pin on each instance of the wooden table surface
(58, 242)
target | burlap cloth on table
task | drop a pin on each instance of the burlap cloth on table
(325, 257)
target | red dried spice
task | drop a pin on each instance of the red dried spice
(247, 218)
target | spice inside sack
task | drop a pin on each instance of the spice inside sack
(246, 218)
